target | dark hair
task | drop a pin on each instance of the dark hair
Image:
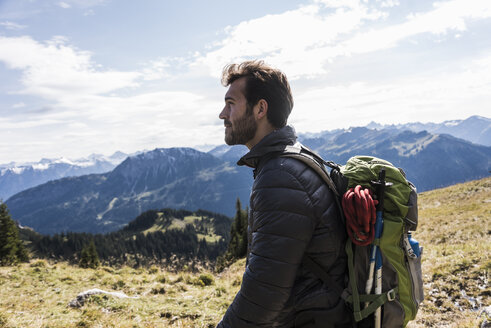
(263, 82)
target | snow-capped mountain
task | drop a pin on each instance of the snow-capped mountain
(173, 178)
(476, 129)
(15, 177)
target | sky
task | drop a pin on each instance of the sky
(98, 76)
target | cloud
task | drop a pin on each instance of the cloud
(8, 124)
(64, 5)
(81, 3)
(389, 3)
(165, 67)
(305, 41)
(12, 25)
(19, 105)
(294, 39)
(85, 107)
(55, 70)
(94, 108)
(427, 97)
(445, 17)
(109, 123)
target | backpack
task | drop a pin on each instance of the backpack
(401, 281)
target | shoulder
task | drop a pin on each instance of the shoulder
(292, 165)
(292, 185)
(289, 171)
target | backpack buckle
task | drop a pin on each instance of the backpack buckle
(391, 295)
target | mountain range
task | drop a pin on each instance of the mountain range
(190, 179)
(476, 129)
(15, 177)
(174, 178)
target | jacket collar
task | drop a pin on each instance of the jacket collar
(276, 141)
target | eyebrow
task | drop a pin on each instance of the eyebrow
(229, 98)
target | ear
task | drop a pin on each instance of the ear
(261, 109)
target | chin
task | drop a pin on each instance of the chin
(228, 141)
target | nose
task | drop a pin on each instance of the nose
(223, 113)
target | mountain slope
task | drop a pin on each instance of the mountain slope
(175, 177)
(155, 236)
(429, 160)
(454, 228)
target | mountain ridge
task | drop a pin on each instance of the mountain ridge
(476, 129)
(16, 177)
(104, 202)
(186, 178)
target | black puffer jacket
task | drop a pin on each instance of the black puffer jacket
(292, 213)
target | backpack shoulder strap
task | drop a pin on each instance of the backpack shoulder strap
(319, 271)
(312, 160)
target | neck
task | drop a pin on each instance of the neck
(262, 131)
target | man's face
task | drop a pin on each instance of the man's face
(240, 125)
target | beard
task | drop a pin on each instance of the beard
(241, 131)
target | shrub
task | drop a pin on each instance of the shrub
(161, 278)
(153, 269)
(205, 279)
(119, 284)
(219, 291)
(38, 264)
(108, 269)
(158, 290)
(3, 320)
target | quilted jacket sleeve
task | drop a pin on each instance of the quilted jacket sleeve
(284, 207)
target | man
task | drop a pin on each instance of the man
(292, 212)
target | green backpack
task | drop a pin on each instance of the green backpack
(401, 283)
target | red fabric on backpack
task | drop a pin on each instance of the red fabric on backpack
(360, 214)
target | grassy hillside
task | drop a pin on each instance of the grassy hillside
(203, 225)
(454, 229)
(37, 295)
(161, 237)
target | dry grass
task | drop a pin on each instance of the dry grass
(454, 229)
(37, 295)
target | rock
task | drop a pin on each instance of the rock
(79, 301)
(486, 313)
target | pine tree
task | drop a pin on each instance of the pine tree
(240, 233)
(243, 233)
(93, 255)
(237, 246)
(89, 257)
(11, 248)
(84, 258)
